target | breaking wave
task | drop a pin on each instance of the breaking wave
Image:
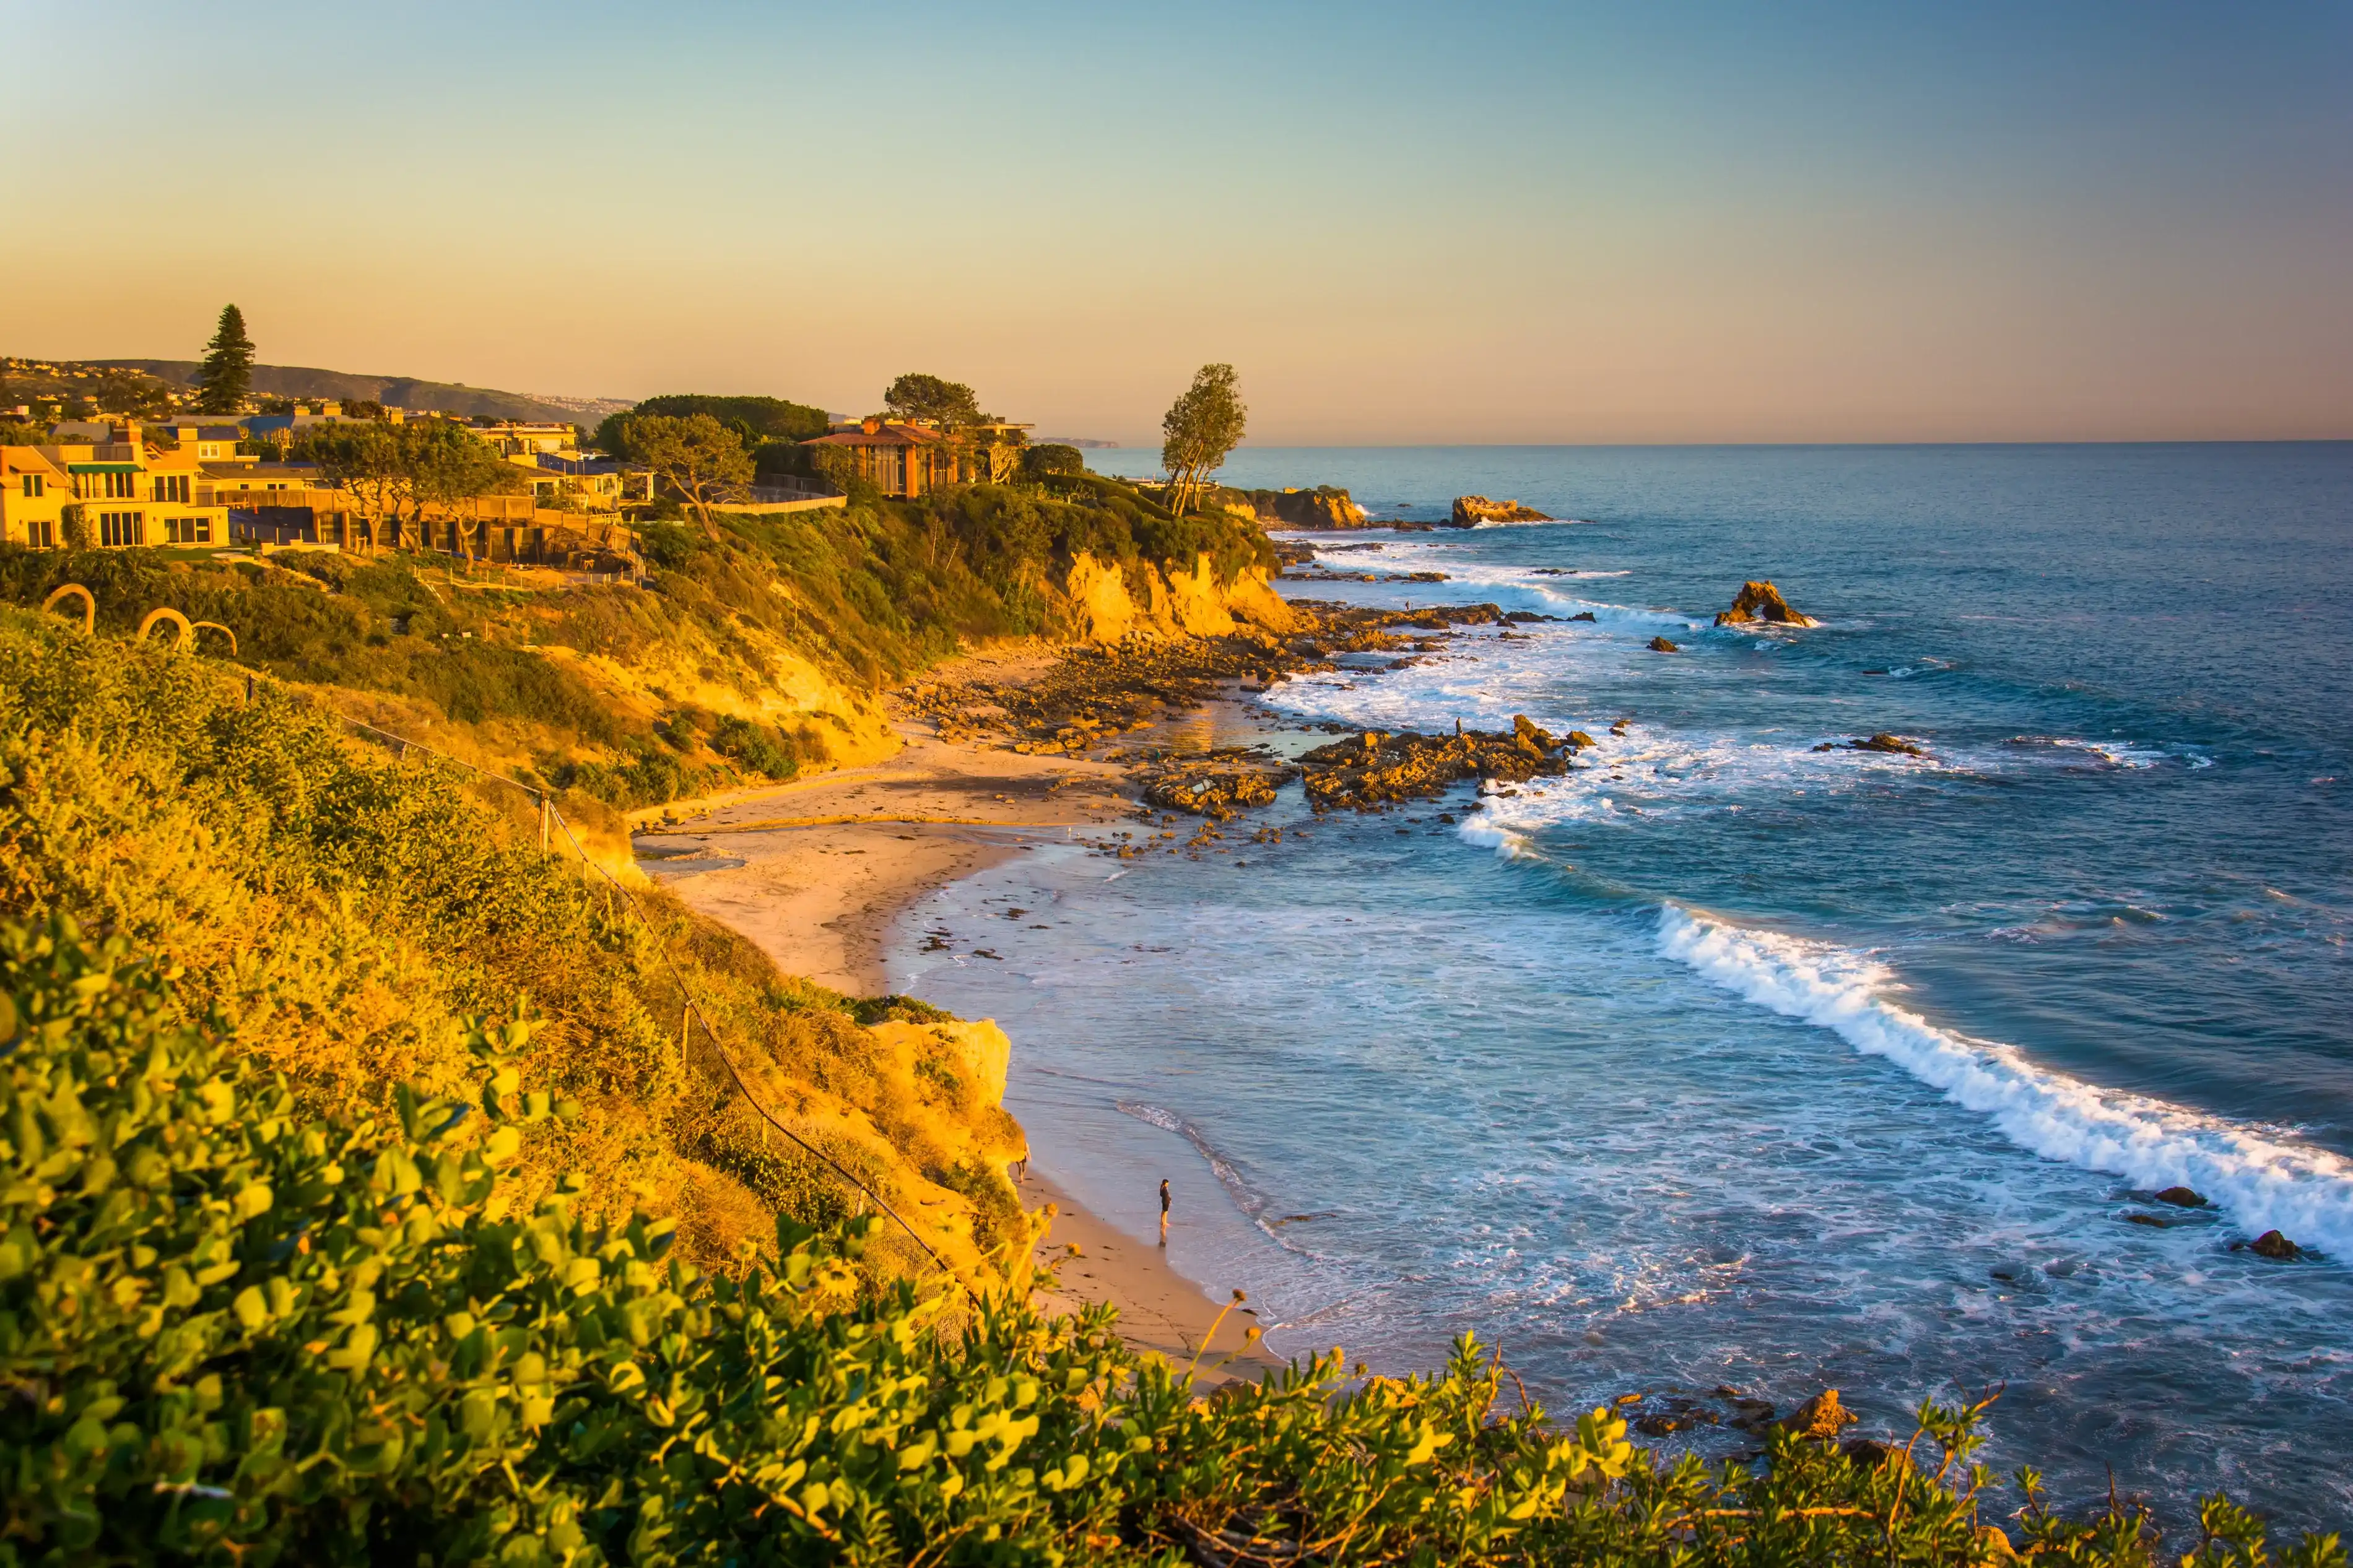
(2263, 1180)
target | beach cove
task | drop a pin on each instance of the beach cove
(1712, 1065)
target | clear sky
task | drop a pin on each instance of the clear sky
(1401, 223)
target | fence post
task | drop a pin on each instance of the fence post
(543, 825)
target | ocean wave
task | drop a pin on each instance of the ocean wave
(2260, 1177)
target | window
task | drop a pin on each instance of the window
(33, 484)
(172, 487)
(119, 528)
(189, 529)
(41, 535)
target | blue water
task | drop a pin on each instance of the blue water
(1729, 1060)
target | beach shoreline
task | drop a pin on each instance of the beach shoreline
(816, 871)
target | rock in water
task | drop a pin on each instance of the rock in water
(2181, 1197)
(1470, 511)
(2271, 1244)
(1821, 1417)
(1660, 645)
(1584, 615)
(1885, 741)
(1760, 601)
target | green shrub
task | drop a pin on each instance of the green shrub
(739, 739)
(1053, 457)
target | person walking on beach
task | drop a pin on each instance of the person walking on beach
(1164, 1211)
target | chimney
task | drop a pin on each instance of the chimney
(129, 432)
(871, 425)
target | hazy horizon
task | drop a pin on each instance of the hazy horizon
(1497, 225)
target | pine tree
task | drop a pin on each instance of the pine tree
(226, 374)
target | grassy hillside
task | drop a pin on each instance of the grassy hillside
(350, 911)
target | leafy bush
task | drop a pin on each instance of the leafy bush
(236, 1332)
(1053, 457)
(754, 746)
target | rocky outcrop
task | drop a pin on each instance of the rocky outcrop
(1213, 787)
(2181, 1197)
(1470, 511)
(1324, 507)
(1377, 769)
(1822, 1416)
(2274, 1246)
(1660, 645)
(1883, 742)
(1762, 601)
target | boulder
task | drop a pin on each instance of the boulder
(1761, 602)
(1885, 741)
(1470, 511)
(2181, 1197)
(1821, 1417)
(1660, 645)
(1584, 615)
(2271, 1244)
(1870, 1453)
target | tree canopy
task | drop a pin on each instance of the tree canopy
(754, 419)
(701, 459)
(949, 403)
(1053, 458)
(392, 470)
(226, 376)
(1201, 430)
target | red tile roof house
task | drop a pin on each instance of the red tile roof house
(897, 459)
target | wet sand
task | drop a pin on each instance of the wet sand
(815, 872)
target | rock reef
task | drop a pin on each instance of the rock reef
(1470, 511)
(1762, 601)
(1376, 768)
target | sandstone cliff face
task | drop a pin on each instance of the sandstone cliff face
(1175, 603)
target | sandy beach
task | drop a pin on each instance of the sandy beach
(815, 870)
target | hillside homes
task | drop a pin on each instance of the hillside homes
(127, 489)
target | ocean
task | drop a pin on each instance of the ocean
(1728, 1061)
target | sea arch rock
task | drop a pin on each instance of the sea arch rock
(1762, 601)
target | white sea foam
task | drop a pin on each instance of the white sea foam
(2262, 1177)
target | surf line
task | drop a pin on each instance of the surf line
(2266, 1182)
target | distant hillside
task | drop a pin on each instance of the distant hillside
(401, 391)
(1072, 441)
